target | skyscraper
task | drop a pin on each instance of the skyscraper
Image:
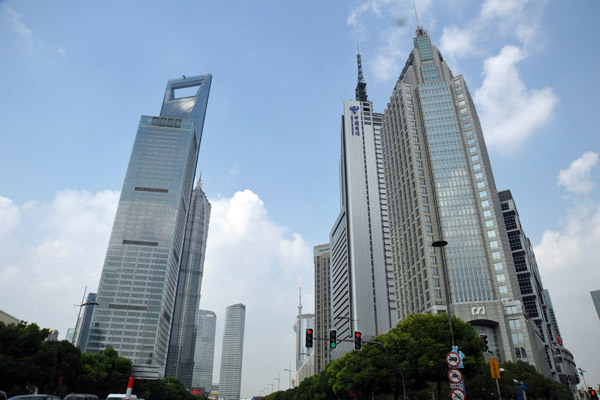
(204, 352)
(82, 330)
(137, 289)
(180, 358)
(550, 359)
(322, 257)
(440, 186)
(596, 299)
(362, 286)
(230, 379)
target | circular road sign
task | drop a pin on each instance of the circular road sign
(457, 394)
(452, 359)
(455, 375)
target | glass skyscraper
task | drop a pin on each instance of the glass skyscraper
(230, 379)
(180, 358)
(137, 289)
(204, 352)
(440, 186)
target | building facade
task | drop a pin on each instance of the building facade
(230, 379)
(82, 329)
(362, 286)
(322, 260)
(180, 359)
(440, 186)
(596, 299)
(137, 289)
(556, 362)
(204, 351)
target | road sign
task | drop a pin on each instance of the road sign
(457, 394)
(457, 386)
(494, 369)
(455, 376)
(452, 359)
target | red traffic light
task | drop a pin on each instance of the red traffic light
(309, 338)
(357, 340)
(309, 331)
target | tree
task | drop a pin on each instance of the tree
(104, 373)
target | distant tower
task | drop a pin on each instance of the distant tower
(303, 322)
(233, 349)
(204, 352)
(82, 330)
(322, 260)
(180, 359)
(596, 299)
(362, 282)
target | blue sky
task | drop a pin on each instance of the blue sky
(78, 75)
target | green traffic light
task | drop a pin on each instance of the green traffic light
(333, 345)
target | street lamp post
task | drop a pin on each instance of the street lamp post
(441, 244)
(278, 382)
(290, 371)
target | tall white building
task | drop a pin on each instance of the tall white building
(361, 275)
(204, 351)
(233, 350)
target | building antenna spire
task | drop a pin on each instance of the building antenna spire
(361, 86)
(416, 14)
(300, 297)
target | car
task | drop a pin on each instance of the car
(35, 397)
(80, 396)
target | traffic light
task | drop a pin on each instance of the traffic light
(332, 338)
(357, 340)
(309, 337)
(593, 394)
(486, 346)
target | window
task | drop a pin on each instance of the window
(436, 282)
(518, 338)
(485, 203)
(494, 245)
(503, 289)
(480, 185)
(438, 294)
(500, 278)
(477, 167)
(510, 220)
(471, 141)
(475, 157)
(514, 238)
(479, 175)
(469, 133)
(467, 125)
(482, 194)
(514, 324)
(498, 266)
(491, 234)
(496, 255)
(490, 224)
(487, 214)
(511, 310)
(472, 149)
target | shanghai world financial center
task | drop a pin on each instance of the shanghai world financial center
(137, 290)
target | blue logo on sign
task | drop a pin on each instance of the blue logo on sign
(354, 109)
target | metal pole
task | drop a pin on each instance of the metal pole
(441, 244)
(498, 387)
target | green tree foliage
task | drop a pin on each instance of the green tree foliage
(103, 373)
(538, 386)
(163, 389)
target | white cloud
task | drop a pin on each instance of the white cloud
(15, 23)
(501, 8)
(456, 42)
(250, 259)
(510, 113)
(387, 62)
(577, 177)
(568, 261)
(9, 216)
(55, 252)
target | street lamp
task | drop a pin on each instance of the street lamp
(441, 244)
(77, 335)
(290, 371)
(278, 382)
